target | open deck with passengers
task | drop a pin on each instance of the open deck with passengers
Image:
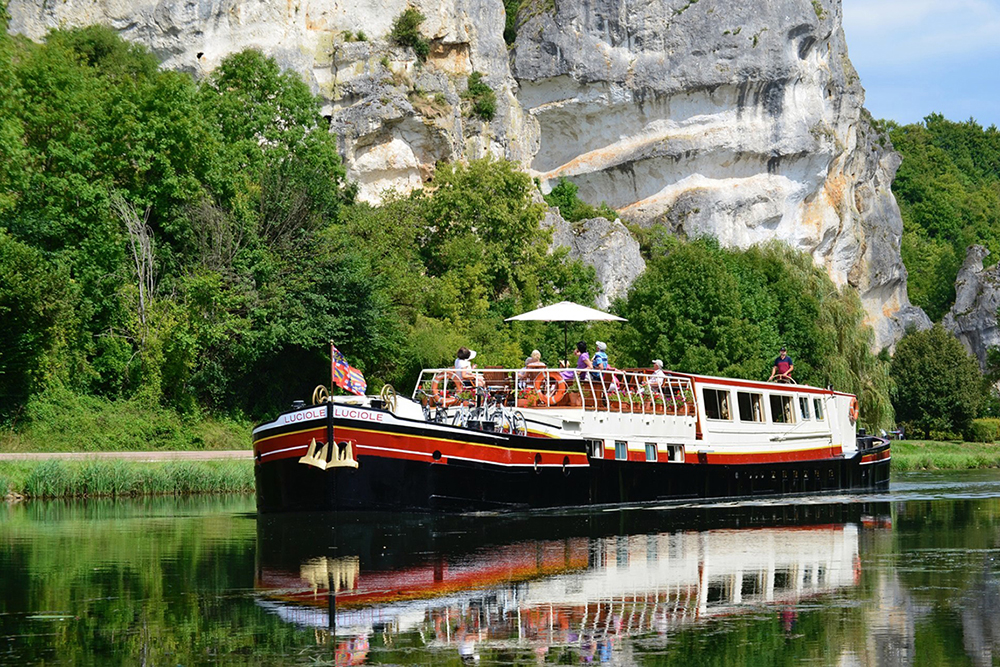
(505, 439)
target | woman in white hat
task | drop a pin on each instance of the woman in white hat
(658, 376)
(464, 366)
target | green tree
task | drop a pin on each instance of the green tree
(948, 189)
(35, 310)
(938, 387)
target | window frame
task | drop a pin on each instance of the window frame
(804, 408)
(786, 408)
(818, 409)
(623, 446)
(754, 398)
(652, 447)
(727, 402)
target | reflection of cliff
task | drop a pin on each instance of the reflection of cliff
(585, 590)
(891, 639)
(981, 619)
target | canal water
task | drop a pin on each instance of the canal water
(907, 577)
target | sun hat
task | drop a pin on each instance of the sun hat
(658, 362)
(602, 345)
(472, 355)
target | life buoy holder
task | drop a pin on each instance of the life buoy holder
(550, 387)
(445, 387)
(852, 412)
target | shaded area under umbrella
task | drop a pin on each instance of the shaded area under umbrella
(565, 312)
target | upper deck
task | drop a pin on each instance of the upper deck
(720, 416)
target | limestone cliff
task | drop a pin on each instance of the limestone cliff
(739, 120)
(973, 318)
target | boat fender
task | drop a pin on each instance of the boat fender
(853, 410)
(550, 387)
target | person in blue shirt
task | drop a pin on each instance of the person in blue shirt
(600, 360)
(783, 367)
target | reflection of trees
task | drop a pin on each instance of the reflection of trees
(132, 582)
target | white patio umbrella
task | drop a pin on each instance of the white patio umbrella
(566, 312)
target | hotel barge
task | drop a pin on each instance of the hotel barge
(515, 439)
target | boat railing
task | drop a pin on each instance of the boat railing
(630, 391)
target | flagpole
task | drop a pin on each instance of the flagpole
(331, 367)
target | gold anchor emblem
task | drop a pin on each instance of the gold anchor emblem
(341, 455)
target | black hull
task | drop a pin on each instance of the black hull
(395, 485)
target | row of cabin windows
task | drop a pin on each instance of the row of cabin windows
(652, 451)
(751, 407)
(621, 450)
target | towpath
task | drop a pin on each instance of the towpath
(201, 455)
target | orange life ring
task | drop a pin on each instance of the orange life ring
(550, 387)
(853, 410)
(447, 395)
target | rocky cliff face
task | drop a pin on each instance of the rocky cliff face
(739, 120)
(973, 318)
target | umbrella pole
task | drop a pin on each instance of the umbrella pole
(566, 342)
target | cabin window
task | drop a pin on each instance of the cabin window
(781, 409)
(596, 449)
(651, 451)
(751, 406)
(804, 407)
(717, 404)
(621, 450)
(818, 408)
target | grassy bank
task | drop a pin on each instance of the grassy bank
(117, 478)
(948, 455)
(61, 421)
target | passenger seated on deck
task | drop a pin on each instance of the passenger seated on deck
(464, 366)
(656, 380)
(532, 365)
(600, 360)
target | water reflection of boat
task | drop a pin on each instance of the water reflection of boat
(580, 580)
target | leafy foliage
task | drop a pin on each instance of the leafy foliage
(938, 385)
(564, 197)
(482, 97)
(35, 298)
(406, 32)
(948, 189)
(510, 8)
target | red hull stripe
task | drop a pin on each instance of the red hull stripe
(313, 430)
(369, 441)
(415, 448)
(742, 458)
(874, 458)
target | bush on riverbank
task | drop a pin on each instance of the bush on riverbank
(59, 420)
(118, 478)
(985, 430)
